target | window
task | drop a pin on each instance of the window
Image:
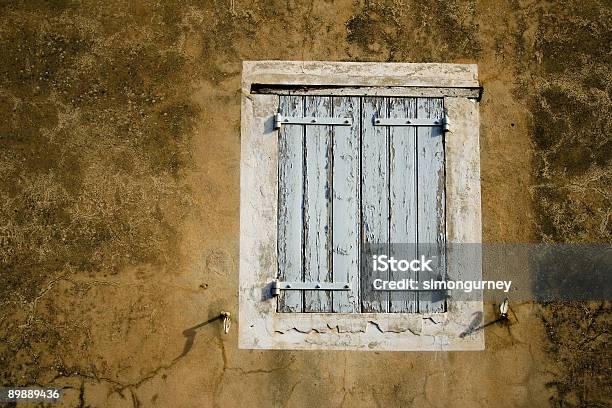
(341, 158)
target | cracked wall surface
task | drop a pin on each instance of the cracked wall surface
(119, 187)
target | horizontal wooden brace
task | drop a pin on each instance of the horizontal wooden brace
(413, 92)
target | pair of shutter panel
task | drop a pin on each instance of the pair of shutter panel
(344, 187)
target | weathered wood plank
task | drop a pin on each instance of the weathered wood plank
(413, 92)
(345, 204)
(403, 191)
(317, 205)
(290, 196)
(374, 199)
(431, 200)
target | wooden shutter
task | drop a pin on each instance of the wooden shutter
(343, 187)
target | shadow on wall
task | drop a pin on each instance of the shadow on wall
(191, 332)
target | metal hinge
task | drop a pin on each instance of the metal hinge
(280, 120)
(444, 122)
(277, 286)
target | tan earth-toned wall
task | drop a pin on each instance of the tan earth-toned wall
(119, 197)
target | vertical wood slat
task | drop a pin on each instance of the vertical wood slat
(431, 200)
(346, 186)
(290, 196)
(317, 205)
(403, 199)
(374, 199)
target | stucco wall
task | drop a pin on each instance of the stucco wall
(119, 187)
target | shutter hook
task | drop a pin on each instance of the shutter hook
(503, 309)
(227, 321)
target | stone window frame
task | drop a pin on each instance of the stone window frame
(260, 325)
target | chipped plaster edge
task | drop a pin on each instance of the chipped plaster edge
(372, 74)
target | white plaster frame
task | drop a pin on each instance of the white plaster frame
(260, 326)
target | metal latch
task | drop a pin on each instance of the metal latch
(277, 286)
(444, 122)
(280, 120)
